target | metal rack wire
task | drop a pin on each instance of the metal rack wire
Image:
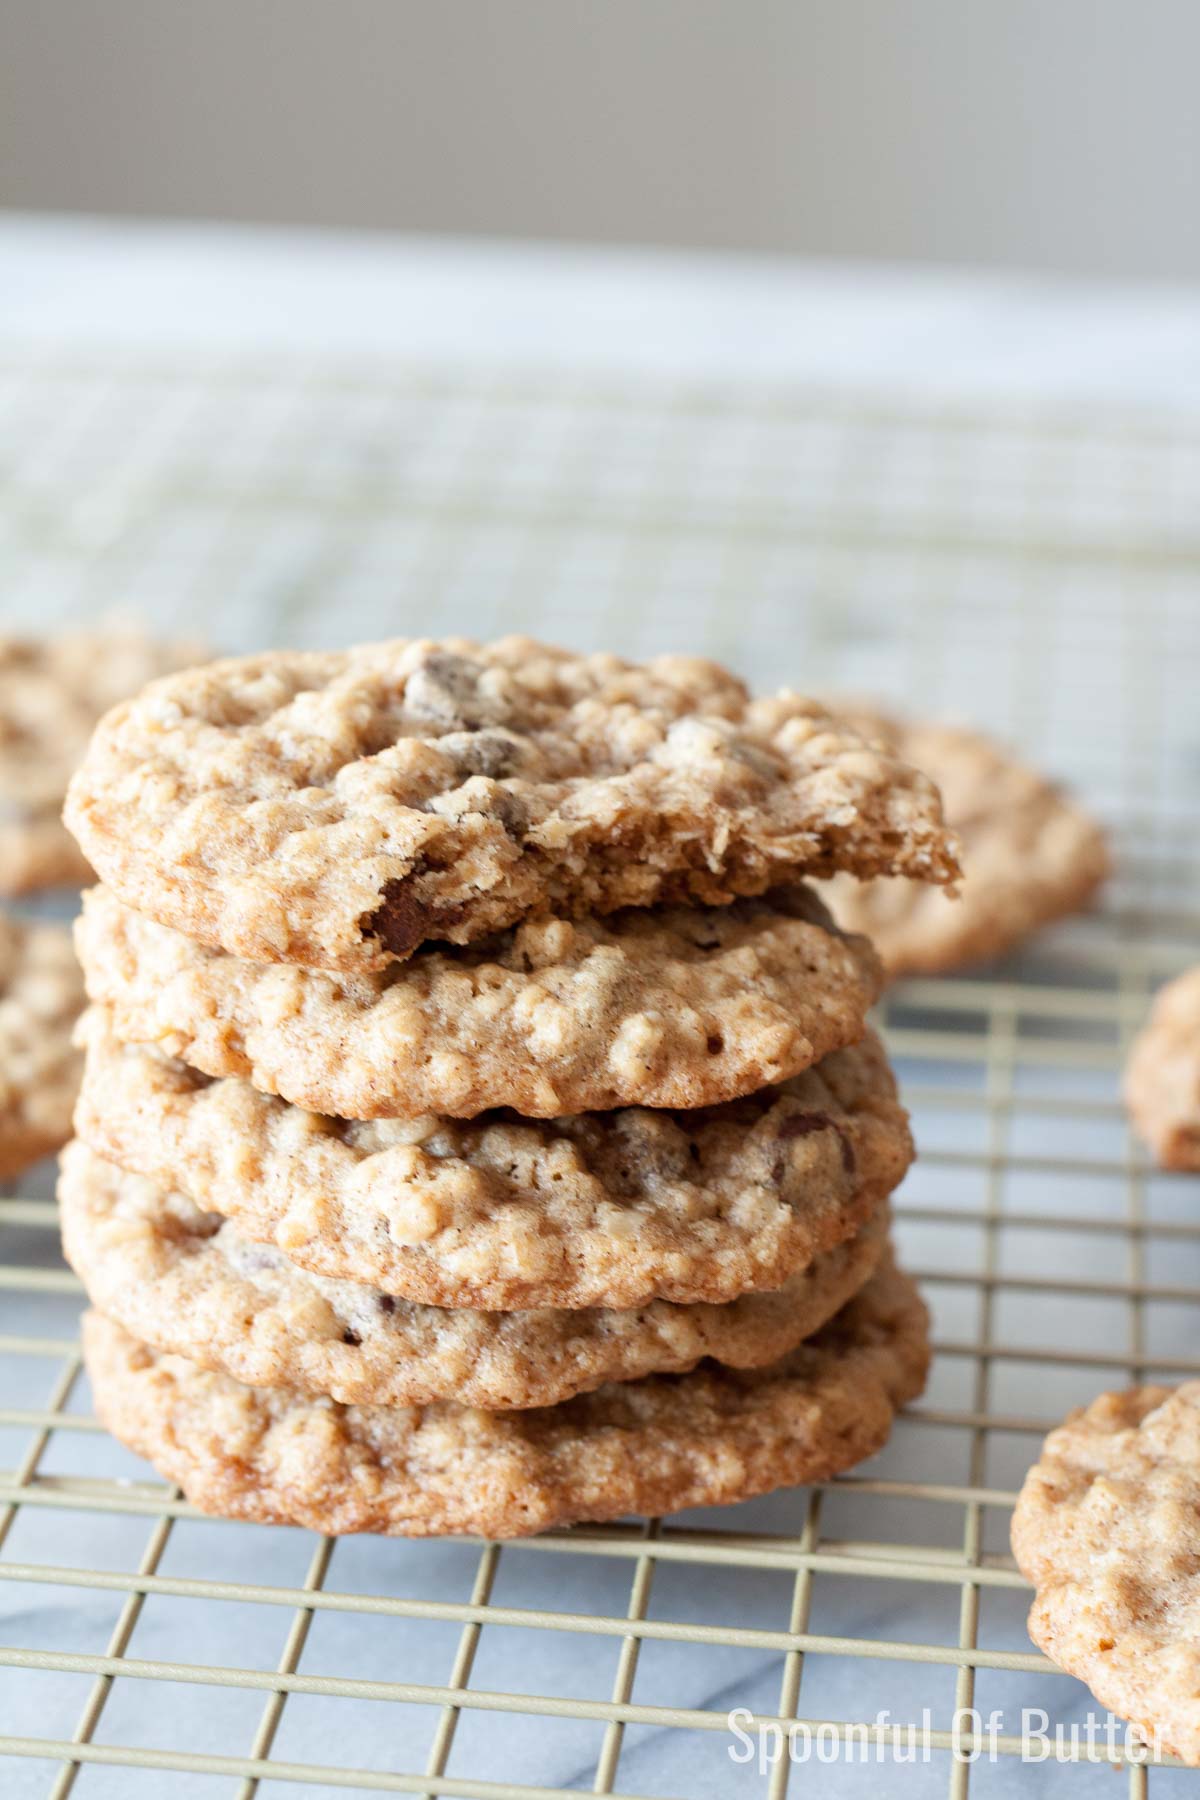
(1038, 573)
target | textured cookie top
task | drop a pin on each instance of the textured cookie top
(1162, 1079)
(1029, 855)
(187, 1281)
(598, 1209)
(41, 996)
(52, 692)
(338, 810)
(683, 1006)
(1107, 1528)
(650, 1446)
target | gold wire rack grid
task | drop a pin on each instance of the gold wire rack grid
(1039, 573)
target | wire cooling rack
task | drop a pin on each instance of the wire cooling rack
(1037, 573)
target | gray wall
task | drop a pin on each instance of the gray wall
(1057, 134)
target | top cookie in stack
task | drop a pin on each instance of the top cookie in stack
(463, 1039)
(338, 811)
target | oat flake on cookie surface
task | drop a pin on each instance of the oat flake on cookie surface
(1107, 1527)
(1162, 1076)
(679, 1006)
(186, 1281)
(52, 692)
(599, 1209)
(41, 997)
(1029, 855)
(653, 1446)
(339, 809)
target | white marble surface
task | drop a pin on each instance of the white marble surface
(1042, 579)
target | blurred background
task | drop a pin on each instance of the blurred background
(1057, 137)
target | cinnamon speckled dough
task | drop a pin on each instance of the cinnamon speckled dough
(710, 1437)
(339, 809)
(187, 1281)
(41, 996)
(683, 1007)
(1107, 1527)
(52, 691)
(599, 1209)
(1029, 856)
(1162, 1077)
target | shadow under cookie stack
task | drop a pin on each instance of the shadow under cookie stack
(481, 1128)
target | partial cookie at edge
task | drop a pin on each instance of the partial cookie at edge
(653, 1446)
(41, 996)
(1162, 1076)
(1106, 1527)
(52, 692)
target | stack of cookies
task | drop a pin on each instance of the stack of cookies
(481, 1128)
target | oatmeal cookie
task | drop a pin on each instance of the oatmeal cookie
(340, 809)
(1029, 856)
(681, 1007)
(41, 996)
(1107, 1527)
(652, 1446)
(1162, 1077)
(52, 692)
(187, 1281)
(600, 1209)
